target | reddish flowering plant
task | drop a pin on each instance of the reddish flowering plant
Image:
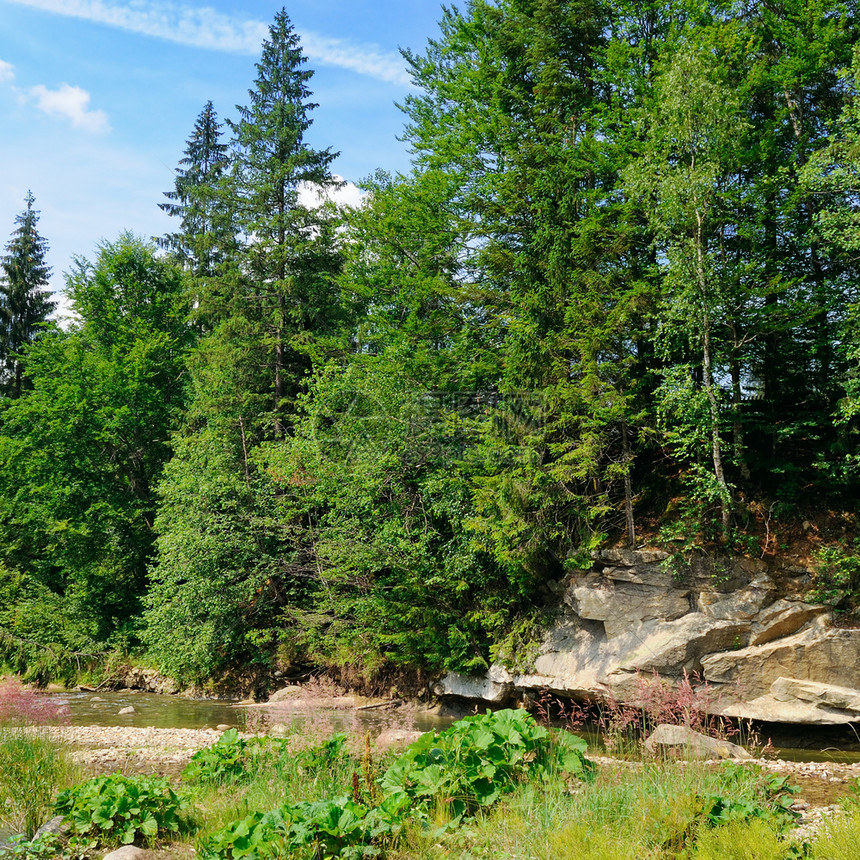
(24, 706)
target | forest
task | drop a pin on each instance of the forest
(613, 303)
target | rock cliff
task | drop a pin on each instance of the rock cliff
(742, 630)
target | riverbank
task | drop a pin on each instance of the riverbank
(165, 752)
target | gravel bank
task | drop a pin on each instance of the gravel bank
(106, 749)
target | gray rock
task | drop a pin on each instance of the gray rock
(55, 826)
(631, 557)
(793, 700)
(693, 743)
(150, 681)
(742, 605)
(822, 695)
(127, 852)
(222, 727)
(816, 653)
(620, 604)
(762, 657)
(291, 691)
(495, 687)
(783, 618)
(128, 710)
(643, 574)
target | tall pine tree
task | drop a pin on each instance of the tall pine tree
(218, 531)
(206, 232)
(24, 303)
(290, 257)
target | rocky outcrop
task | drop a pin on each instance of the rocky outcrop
(741, 631)
(149, 681)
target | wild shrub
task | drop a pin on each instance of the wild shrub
(770, 800)
(222, 762)
(480, 758)
(46, 847)
(232, 759)
(121, 809)
(470, 765)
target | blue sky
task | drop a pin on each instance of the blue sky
(99, 96)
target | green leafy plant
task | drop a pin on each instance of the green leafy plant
(233, 759)
(122, 809)
(222, 762)
(774, 805)
(46, 847)
(322, 829)
(324, 754)
(478, 759)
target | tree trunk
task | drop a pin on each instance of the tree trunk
(628, 487)
(707, 376)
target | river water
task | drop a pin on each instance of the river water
(177, 712)
(150, 709)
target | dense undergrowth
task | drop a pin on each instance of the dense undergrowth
(498, 785)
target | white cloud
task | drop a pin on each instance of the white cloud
(63, 312)
(347, 194)
(6, 71)
(205, 27)
(71, 103)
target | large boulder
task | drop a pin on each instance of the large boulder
(692, 743)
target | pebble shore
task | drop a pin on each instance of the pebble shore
(105, 749)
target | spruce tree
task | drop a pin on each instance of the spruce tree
(219, 535)
(24, 303)
(290, 257)
(206, 236)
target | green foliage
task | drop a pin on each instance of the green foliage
(238, 760)
(24, 300)
(836, 577)
(81, 451)
(46, 847)
(468, 767)
(222, 762)
(374, 469)
(742, 839)
(480, 758)
(119, 809)
(320, 829)
(518, 649)
(772, 803)
(33, 768)
(206, 236)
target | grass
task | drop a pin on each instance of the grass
(839, 838)
(652, 812)
(33, 767)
